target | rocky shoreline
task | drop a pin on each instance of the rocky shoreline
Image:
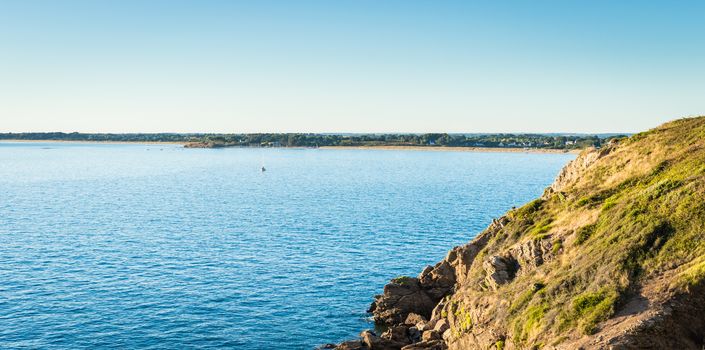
(611, 256)
(412, 310)
(416, 313)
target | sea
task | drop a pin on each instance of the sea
(156, 246)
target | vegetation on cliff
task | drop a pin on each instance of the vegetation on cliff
(612, 255)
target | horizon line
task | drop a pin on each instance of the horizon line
(342, 133)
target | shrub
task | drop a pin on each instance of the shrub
(692, 276)
(402, 280)
(530, 319)
(609, 203)
(584, 233)
(590, 308)
(530, 208)
(539, 230)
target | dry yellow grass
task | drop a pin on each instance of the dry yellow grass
(634, 214)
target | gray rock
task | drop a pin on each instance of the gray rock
(414, 334)
(373, 342)
(427, 345)
(423, 326)
(400, 298)
(351, 345)
(499, 270)
(430, 335)
(414, 318)
(398, 333)
(441, 326)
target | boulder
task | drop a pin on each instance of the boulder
(441, 326)
(423, 326)
(413, 319)
(533, 253)
(576, 169)
(414, 334)
(438, 281)
(430, 335)
(499, 270)
(373, 342)
(437, 312)
(427, 345)
(397, 333)
(351, 345)
(402, 296)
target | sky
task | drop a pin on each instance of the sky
(349, 65)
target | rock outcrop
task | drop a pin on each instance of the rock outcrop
(612, 256)
(499, 270)
(571, 172)
(401, 297)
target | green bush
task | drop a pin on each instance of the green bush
(584, 233)
(590, 308)
(402, 280)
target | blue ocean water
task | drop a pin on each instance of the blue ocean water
(160, 247)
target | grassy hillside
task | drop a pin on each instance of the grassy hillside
(612, 255)
(635, 213)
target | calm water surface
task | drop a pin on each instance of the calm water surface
(161, 247)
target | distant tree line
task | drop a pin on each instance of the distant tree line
(75, 136)
(318, 140)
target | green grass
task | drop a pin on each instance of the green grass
(528, 209)
(520, 302)
(609, 203)
(402, 280)
(542, 227)
(534, 316)
(645, 206)
(593, 307)
(584, 233)
(692, 276)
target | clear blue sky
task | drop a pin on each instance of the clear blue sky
(349, 66)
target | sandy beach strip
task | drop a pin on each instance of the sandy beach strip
(457, 149)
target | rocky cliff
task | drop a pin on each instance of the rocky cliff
(611, 256)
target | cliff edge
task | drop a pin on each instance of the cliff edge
(611, 256)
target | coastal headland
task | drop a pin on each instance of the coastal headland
(611, 256)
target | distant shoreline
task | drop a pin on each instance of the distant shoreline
(458, 149)
(97, 141)
(387, 148)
